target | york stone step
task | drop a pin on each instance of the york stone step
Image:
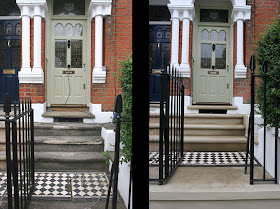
(206, 129)
(69, 144)
(207, 143)
(67, 129)
(206, 118)
(63, 161)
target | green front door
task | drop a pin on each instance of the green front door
(68, 70)
(213, 85)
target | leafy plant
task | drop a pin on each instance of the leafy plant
(124, 76)
(268, 49)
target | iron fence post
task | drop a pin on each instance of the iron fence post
(276, 136)
(182, 120)
(252, 67)
(264, 115)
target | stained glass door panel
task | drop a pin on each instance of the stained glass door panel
(68, 73)
(10, 59)
(213, 72)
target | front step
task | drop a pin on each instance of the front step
(207, 132)
(67, 129)
(55, 161)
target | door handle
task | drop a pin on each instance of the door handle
(84, 86)
(84, 68)
(213, 67)
(9, 43)
(213, 47)
(68, 66)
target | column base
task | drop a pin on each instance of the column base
(185, 70)
(25, 75)
(240, 71)
(99, 75)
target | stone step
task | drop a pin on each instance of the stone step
(211, 107)
(67, 129)
(69, 144)
(206, 118)
(63, 161)
(206, 143)
(206, 129)
(68, 114)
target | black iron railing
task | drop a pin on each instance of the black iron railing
(113, 183)
(171, 127)
(251, 135)
(19, 130)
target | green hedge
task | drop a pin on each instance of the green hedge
(268, 49)
(124, 76)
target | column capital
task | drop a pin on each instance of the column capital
(32, 8)
(100, 7)
(241, 13)
(182, 9)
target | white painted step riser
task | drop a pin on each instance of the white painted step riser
(204, 120)
(206, 132)
(208, 147)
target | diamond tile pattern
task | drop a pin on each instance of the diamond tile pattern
(207, 159)
(66, 184)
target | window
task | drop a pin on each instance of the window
(214, 15)
(69, 7)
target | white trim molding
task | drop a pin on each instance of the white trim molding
(98, 9)
(240, 13)
(181, 10)
(31, 9)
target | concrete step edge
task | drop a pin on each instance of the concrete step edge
(69, 140)
(205, 126)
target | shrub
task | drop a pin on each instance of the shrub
(124, 76)
(268, 49)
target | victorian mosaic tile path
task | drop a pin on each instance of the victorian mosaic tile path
(207, 159)
(66, 185)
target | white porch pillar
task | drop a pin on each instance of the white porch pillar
(188, 15)
(37, 67)
(240, 13)
(29, 9)
(25, 15)
(98, 9)
(175, 36)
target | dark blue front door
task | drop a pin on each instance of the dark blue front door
(159, 55)
(10, 58)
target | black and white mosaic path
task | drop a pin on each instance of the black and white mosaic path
(65, 184)
(207, 159)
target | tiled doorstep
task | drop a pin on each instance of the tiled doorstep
(207, 159)
(66, 185)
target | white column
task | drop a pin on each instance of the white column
(98, 41)
(98, 9)
(37, 67)
(240, 42)
(175, 41)
(25, 41)
(240, 13)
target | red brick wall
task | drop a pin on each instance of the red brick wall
(118, 43)
(263, 12)
(34, 91)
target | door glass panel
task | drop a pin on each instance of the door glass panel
(222, 35)
(164, 54)
(78, 30)
(204, 35)
(220, 56)
(1, 30)
(16, 53)
(18, 29)
(3, 53)
(213, 15)
(76, 53)
(69, 7)
(58, 30)
(159, 34)
(152, 55)
(9, 30)
(68, 30)
(167, 34)
(214, 35)
(60, 53)
(206, 55)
